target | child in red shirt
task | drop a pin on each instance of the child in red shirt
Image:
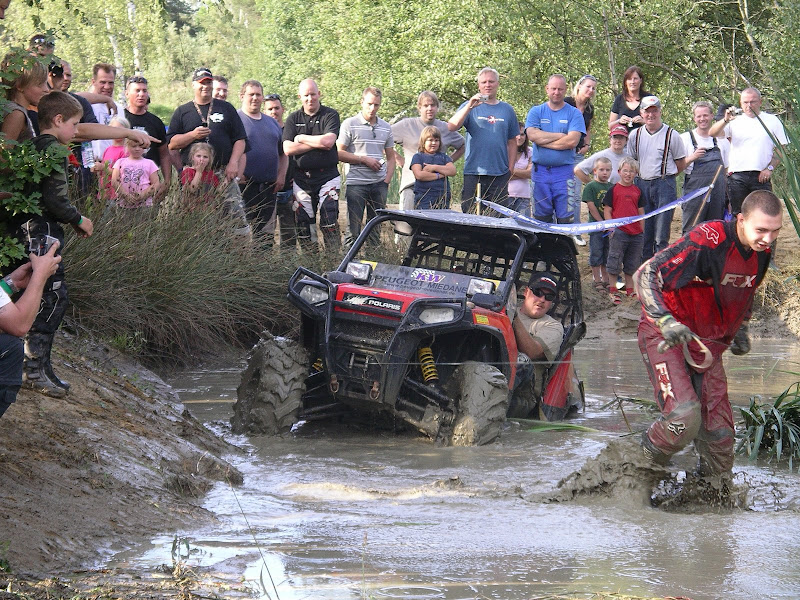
(624, 199)
(199, 181)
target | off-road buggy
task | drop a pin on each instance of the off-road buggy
(423, 337)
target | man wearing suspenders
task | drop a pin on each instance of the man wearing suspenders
(661, 156)
(704, 155)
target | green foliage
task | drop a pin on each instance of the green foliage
(24, 168)
(688, 51)
(788, 182)
(773, 429)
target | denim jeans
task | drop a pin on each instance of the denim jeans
(521, 205)
(624, 253)
(598, 248)
(657, 193)
(361, 196)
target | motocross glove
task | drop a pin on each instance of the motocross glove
(674, 332)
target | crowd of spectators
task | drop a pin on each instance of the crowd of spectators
(283, 170)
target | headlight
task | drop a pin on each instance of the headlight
(313, 295)
(437, 315)
(361, 271)
(479, 286)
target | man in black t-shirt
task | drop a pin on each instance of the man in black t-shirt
(309, 139)
(143, 120)
(209, 120)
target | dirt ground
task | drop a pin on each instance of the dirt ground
(116, 462)
(120, 461)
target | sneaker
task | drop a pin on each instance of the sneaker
(579, 241)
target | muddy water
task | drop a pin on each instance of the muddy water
(340, 514)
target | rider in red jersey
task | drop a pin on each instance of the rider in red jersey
(702, 286)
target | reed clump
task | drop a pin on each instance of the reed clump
(180, 279)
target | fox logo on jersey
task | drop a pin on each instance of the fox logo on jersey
(740, 281)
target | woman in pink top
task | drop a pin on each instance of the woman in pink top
(519, 186)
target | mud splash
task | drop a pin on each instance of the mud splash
(621, 470)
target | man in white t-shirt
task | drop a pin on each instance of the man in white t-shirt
(752, 155)
(103, 79)
(704, 155)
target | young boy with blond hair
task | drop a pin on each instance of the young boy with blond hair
(624, 199)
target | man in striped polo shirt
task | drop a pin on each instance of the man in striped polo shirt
(366, 143)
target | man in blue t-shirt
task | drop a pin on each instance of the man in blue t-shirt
(265, 162)
(555, 129)
(492, 128)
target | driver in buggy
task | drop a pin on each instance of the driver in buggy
(538, 335)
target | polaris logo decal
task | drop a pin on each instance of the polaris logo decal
(385, 303)
(427, 275)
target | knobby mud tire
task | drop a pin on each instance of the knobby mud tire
(270, 396)
(481, 391)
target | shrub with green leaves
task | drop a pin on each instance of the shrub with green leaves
(772, 429)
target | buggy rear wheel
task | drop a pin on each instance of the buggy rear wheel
(481, 393)
(270, 396)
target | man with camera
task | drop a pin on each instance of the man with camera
(17, 317)
(207, 119)
(363, 141)
(752, 155)
(492, 131)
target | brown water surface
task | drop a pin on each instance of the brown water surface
(342, 514)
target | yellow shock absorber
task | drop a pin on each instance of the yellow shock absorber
(428, 366)
(317, 366)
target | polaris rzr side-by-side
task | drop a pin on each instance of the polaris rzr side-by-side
(424, 338)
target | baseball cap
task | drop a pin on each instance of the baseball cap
(201, 74)
(618, 130)
(649, 101)
(544, 281)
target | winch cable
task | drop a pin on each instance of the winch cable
(255, 541)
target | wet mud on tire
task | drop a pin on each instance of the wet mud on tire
(270, 396)
(482, 392)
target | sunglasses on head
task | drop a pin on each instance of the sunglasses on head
(137, 79)
(585, 77)
(546, 294)
(272, 97)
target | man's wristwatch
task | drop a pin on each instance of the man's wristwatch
(770, 168)
(10, 283)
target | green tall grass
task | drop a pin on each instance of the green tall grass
(773, 429)
(787, 184)
(178, 281)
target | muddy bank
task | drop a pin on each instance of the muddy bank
(115, 462)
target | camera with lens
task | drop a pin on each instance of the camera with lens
(736, 110)
(484, 97)
(56, 69)
(41, 244)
